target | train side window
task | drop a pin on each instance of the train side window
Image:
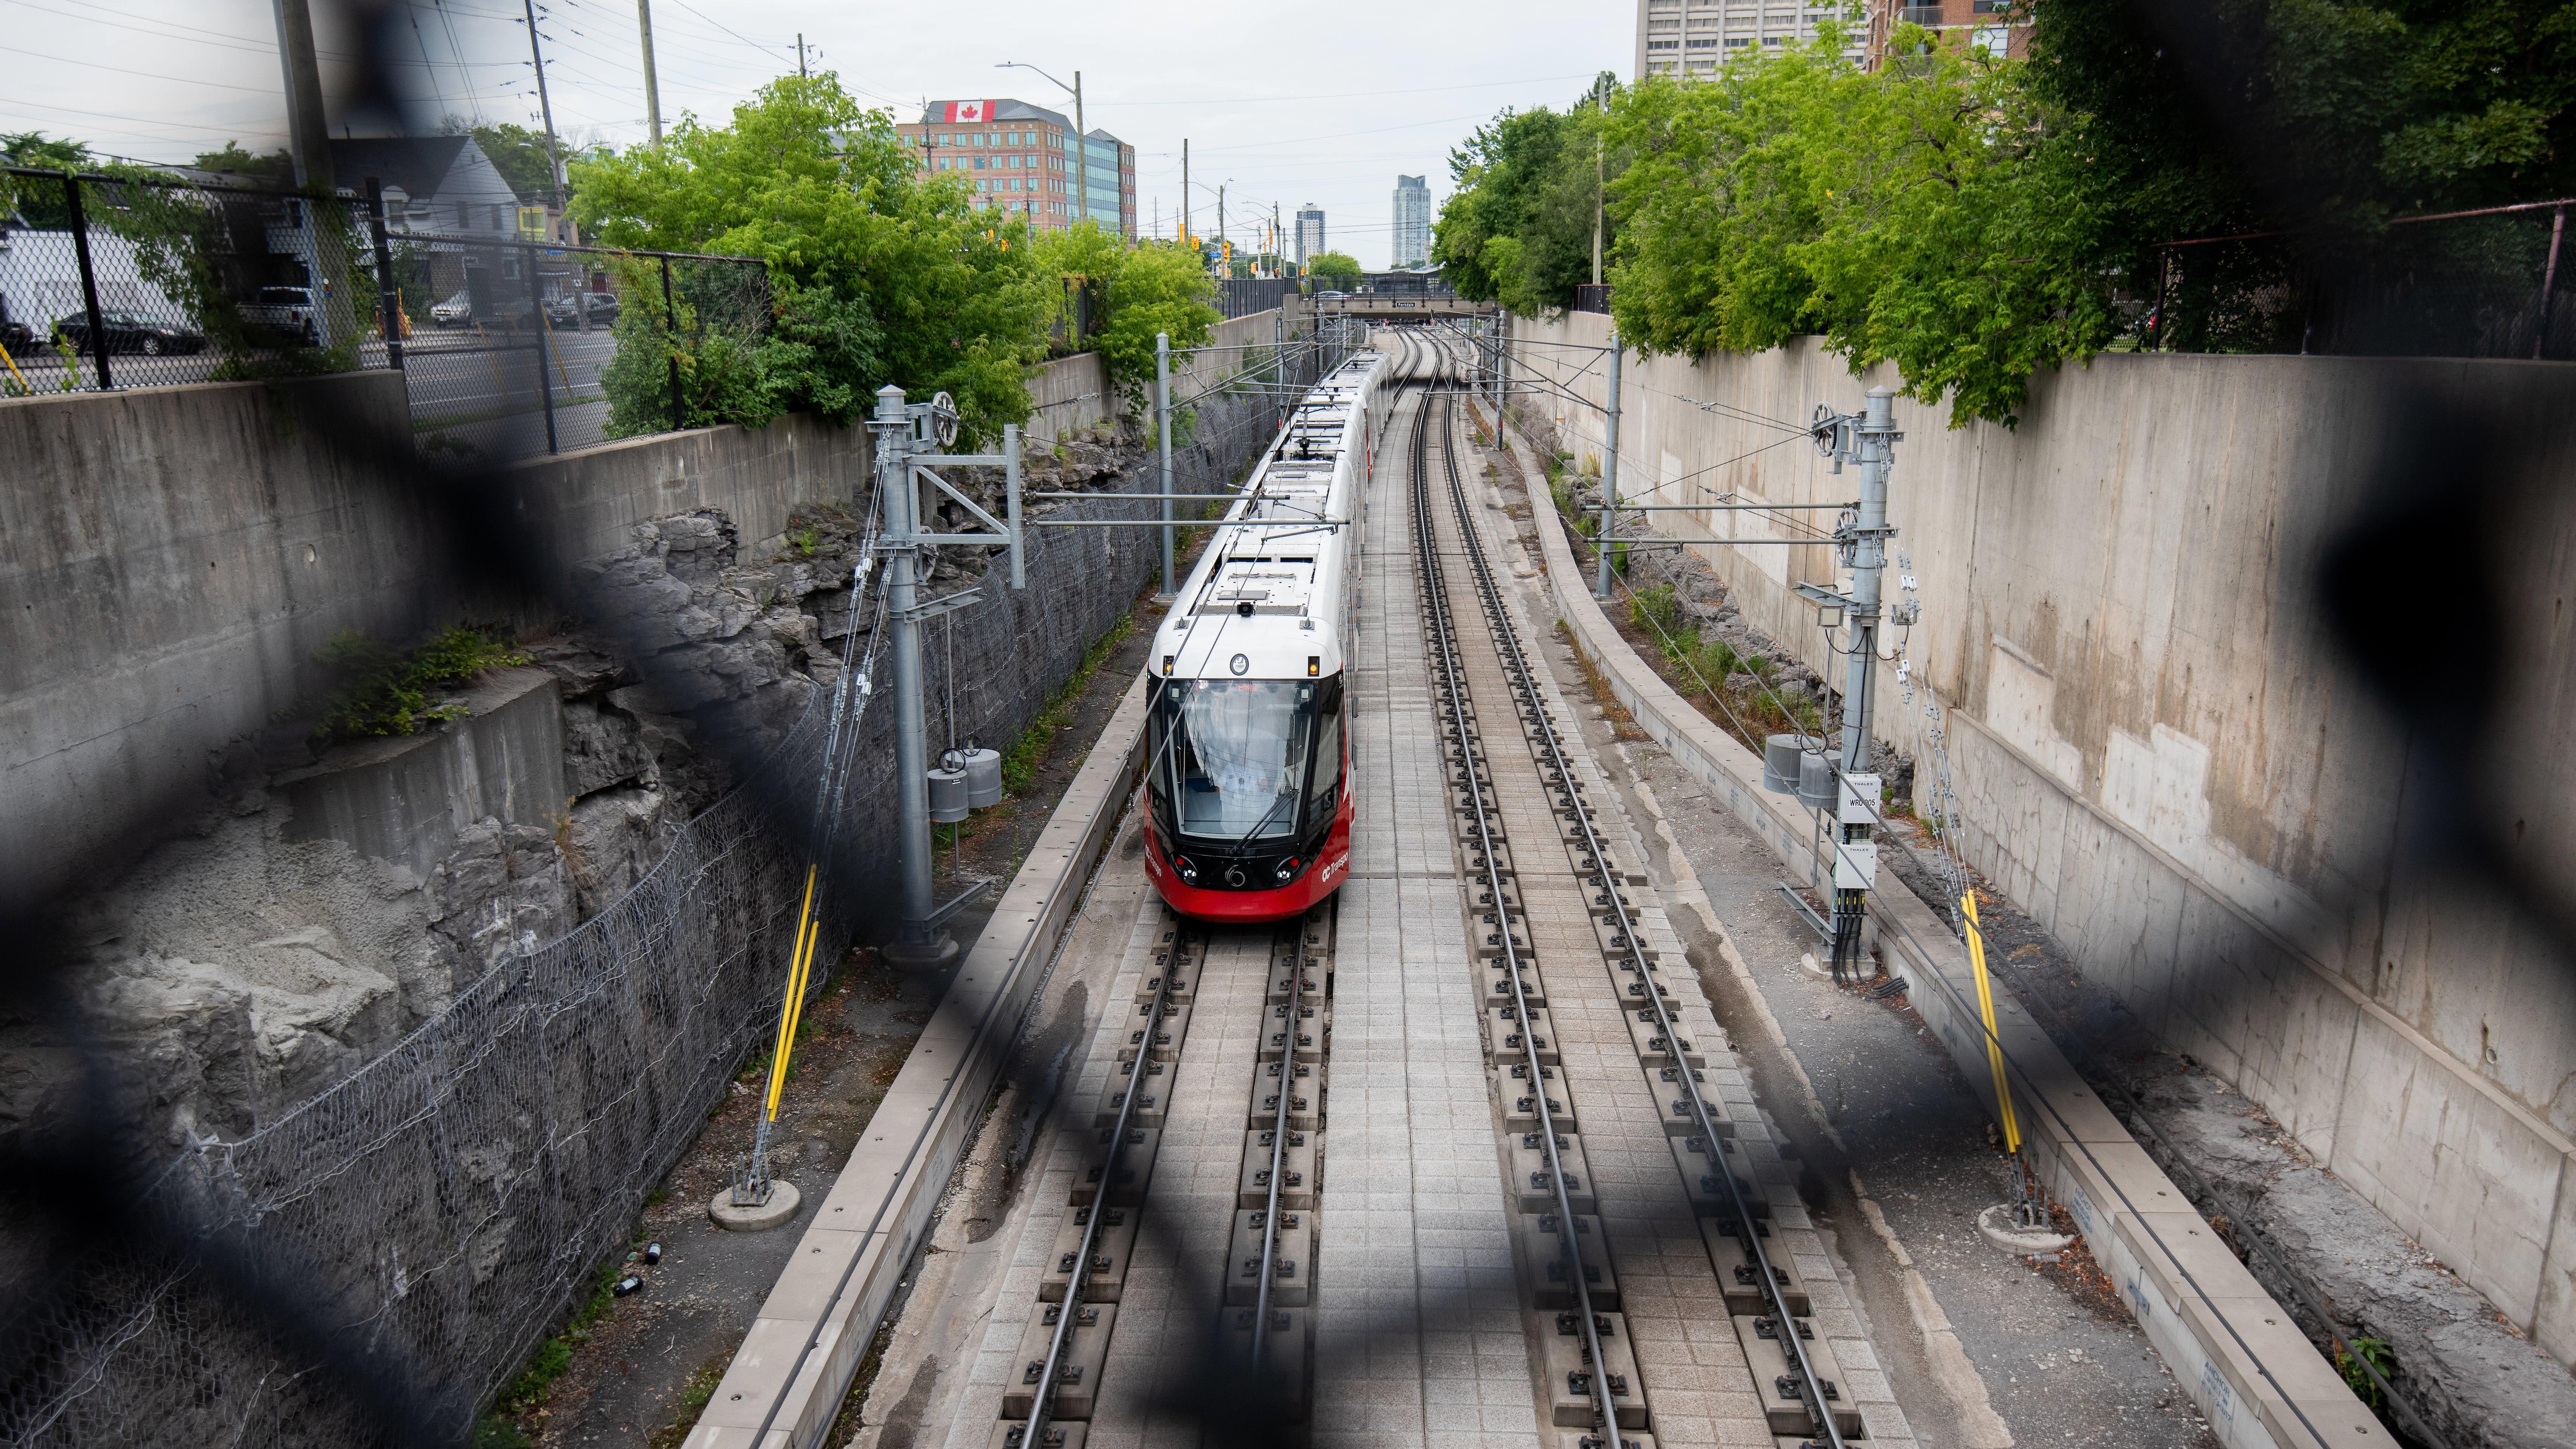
(1323, 783)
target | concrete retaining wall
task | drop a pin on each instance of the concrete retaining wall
(2162, 755)
(2258, 1381)
(171, 558)
(405, 799)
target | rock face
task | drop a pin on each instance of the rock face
(234, 972)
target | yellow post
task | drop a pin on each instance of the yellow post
(1994, 1042)
(23, 384)
(789, 1010)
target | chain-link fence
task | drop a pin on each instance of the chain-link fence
(2488, 283)
(510, 349)
(518, 349)
(143, 281)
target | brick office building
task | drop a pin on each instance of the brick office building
(1021, 160)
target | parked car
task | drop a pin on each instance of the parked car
(509, 314)
(286, 312)
(131, 332)
(456, 311)
(15, 335)
(602, 307)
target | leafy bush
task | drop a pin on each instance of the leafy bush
(386, 693)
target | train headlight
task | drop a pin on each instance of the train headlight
(1188, 871)
(1287, 868)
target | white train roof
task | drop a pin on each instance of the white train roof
(1265, 600)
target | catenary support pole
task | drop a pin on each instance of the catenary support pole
(896, 495)
(652, 87)
(1163, 430)
(1855, 869)
(1609, 479)
(1082, 150)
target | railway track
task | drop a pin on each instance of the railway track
(1275, 981)
(1570, 994)
(1792, 1370)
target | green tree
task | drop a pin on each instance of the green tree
(1154, 287)
(2321, 118)
(1918, 214)
(877, 272)
(517, 152)
(41, 202)
(1333, 271)
(1517, 227)
(276, 165)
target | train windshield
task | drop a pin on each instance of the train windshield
(1229, 755)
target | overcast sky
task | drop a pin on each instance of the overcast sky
(1290, 111)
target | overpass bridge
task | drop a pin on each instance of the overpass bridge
(1401, 308)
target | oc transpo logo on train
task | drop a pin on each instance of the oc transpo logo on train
(1332, 868)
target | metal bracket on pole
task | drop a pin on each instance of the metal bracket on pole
(945, 603)
(1011, 533)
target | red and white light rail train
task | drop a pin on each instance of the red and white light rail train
(1247, 788)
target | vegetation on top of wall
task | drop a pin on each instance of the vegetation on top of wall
(1975, 219)
(1155, 287)
(386, 692)
(878, 271)
(1332, 271)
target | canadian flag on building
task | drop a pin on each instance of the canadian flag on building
(966, 112)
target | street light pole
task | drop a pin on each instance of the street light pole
(1081, 143)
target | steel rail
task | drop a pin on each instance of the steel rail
(1278, 1143)
(1507, 644)
(1136, 1073)
(1435, 600)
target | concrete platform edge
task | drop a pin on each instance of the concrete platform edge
(2205, 1347)
(895, 1176)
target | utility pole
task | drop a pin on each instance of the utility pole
(1081, 149)
(545, 107)
(1220, 226)
(652, 87)
(308, 133)
(1856, 798)
(1185, 191)
(1609, 478)
(308, 129)
(800, 55)
(1163, 427)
